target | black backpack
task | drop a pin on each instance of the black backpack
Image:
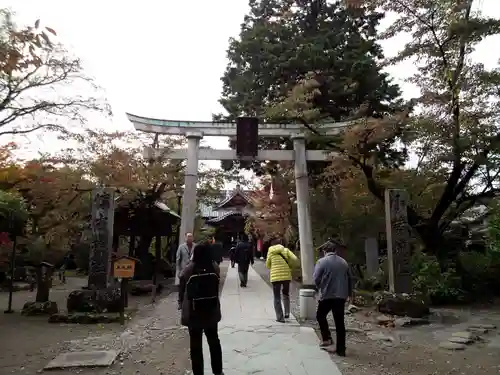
(202, 289)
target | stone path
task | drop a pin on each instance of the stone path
(253, 343)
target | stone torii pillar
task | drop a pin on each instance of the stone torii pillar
(307, 301)
(190, 185)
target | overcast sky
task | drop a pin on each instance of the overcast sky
(164, 59)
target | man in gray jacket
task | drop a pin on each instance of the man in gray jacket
(183, 256)
(334, 282)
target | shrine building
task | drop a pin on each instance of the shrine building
(229, 215)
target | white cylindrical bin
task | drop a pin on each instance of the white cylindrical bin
(307, 304)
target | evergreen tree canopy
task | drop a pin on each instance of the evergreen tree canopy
(282, 42)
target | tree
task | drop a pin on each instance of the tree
(38, 81)
(13, 213)
(454, 129)
(281, 42)
(118, 160)
(274, 209)
(13, 216)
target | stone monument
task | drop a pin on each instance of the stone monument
(103, 203)
(100, 295)
(398, 241)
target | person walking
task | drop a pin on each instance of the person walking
(217, 251)
(183, 256)
(201, 312)
(280, 262)
(334, 282)
(232, 253)
(244, 257)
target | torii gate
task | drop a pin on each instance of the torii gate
(195, 130)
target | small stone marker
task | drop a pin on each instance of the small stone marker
(102, 358)
(371, 254)
(451, 346)
(398, 241)
(465, 335)
(44, 281)
(459, 340)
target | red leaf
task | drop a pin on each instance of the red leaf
(51, 30)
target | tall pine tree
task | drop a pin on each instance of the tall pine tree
(283, 41)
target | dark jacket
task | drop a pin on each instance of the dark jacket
(217, 250)
(243, 254)
(188, 316)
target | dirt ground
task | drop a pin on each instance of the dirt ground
(415, 350)
(152, 342)
(376, 350)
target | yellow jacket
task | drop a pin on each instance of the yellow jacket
(281, 270)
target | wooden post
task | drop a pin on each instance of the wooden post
(156, 265)
(12, 270)
(131, 246)
(124, 302)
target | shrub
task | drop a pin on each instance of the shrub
(480, 273)
(428, 278)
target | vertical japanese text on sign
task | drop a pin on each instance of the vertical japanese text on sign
(247, 131)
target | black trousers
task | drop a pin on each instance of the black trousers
(336, 306)
(196, 345)
(243, 273)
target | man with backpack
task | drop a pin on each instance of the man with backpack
(244, 257)
(201, 313)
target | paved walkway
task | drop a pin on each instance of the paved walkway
(254, 343)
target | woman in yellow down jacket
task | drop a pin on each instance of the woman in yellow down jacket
(280, 262)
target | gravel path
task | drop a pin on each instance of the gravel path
(373, 350)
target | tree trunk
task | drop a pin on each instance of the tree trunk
(131, 246)
(145, 266)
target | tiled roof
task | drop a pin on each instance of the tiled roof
(223, 216)
(231, 196)
(209, 211)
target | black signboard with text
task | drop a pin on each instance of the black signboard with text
(247, 133)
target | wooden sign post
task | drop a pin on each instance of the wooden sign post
(123, 269)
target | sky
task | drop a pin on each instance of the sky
(164, 59)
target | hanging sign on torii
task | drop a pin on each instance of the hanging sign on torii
(247, 138)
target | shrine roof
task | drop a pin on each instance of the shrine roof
(226, 215)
